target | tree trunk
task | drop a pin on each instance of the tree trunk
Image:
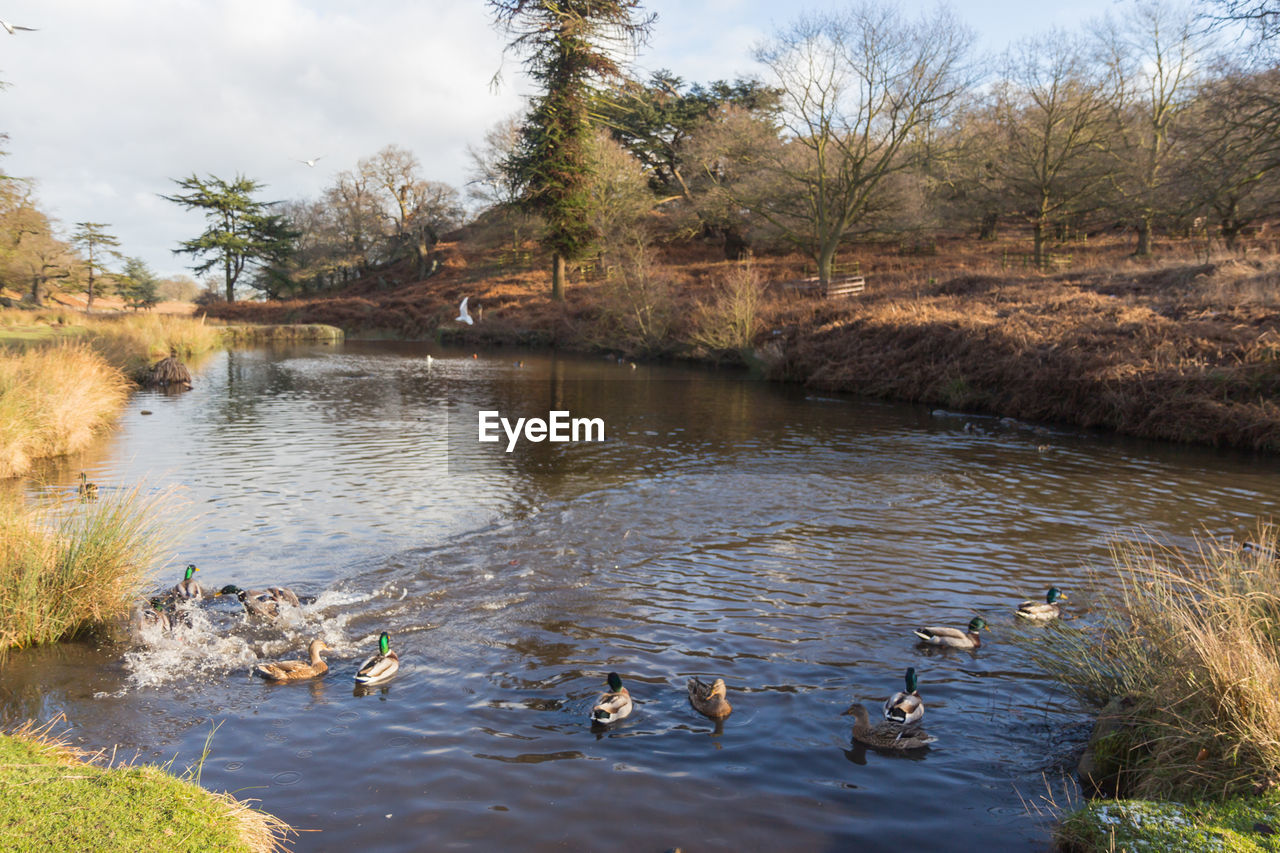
(1037, 231)
(557, 277)
(987, 229)
(88, 303)
(1144, 238)
(35, 290)
(826, 259)
(231, 282)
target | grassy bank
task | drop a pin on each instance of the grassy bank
(280, 333)
(66, 569)
(1236, 825)
(56, 799)
(1180, 350)
(64, 377)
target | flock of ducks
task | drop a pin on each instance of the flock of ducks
(266, 603)
(903, 711)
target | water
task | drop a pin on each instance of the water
(783, 541)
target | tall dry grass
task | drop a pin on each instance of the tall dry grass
(53, 401)
(133, 341)
(64, 569)
(1193, 641)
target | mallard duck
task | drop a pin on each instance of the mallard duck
(709, 699)
(1040, 611)
(954, 637)
(613, 705)
(905, 708)
(189, 587)
(87, 491)
(381, 666)
(155, 612)
(296, 670)
(886, 735)
(262, 602)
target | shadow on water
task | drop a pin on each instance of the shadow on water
(725, 528)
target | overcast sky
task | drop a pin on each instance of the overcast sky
(111, 99)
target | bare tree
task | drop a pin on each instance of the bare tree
(416, 210)
(492, 182)
(1153, 55)
(1051, 110)
(855, 88)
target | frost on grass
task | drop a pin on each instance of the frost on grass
(1139, 825)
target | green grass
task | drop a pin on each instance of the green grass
(53, 800)
(66, 569)
(1236, 825)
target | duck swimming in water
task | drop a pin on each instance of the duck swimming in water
(953, 637)
(1042, 611)
(709, 699)
(905, 707)
(613, 705)
(296, 670)
(381, 666)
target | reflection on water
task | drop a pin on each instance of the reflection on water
(726, 528)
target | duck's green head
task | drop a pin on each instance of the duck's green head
(976, 624)
(1054, 595)
(911, 679)
(191, 570)
(384, 643)
(230, 589)
(615, 682)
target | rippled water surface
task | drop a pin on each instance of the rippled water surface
(786, 542)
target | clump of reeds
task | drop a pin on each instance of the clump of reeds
(64, 569)
(135, 341)
(1192, 641)
(53, 401)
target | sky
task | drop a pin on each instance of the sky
(108, 102)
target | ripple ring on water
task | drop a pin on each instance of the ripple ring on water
(288, 777)
(348, 716)
(233, 766)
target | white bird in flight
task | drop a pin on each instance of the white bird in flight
(11, 27)
(463, 316)
(311, 162)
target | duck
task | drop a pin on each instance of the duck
(296, 670)
(905, 707)
(709, 699)
(154, 612)
(188, 587)
(886, 735)
(954, 637)
(262, 602)
(381, 666)
(87, 491)
(613, 705)
(1042, 611)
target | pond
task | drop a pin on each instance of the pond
(785, 541)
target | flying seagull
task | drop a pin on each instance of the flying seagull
(463, 316)
(11, 27)
(311, 162)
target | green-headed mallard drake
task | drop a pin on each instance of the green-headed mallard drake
(1041, 611)
(87, 491)
(188, 587)
(709, 699)
(613, 705)
(296, 670)
(954, 637)
(155, 612)
(886, 735)
(262, 602)
(905, 707)
(381, 666)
